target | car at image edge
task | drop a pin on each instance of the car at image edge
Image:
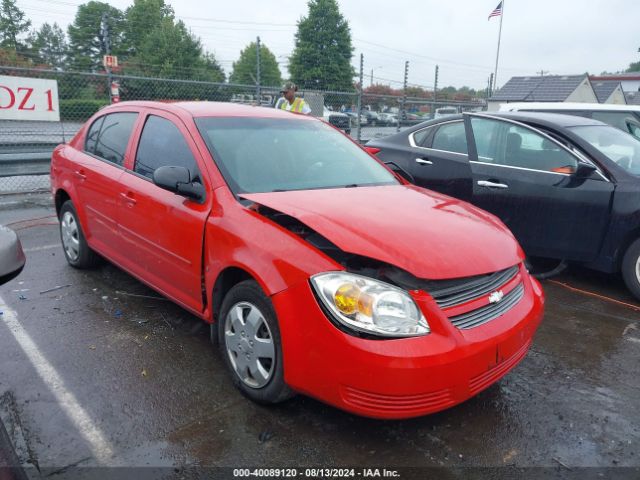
(320, 271)
(568, 187)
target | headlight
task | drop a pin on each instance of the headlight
(370, 306)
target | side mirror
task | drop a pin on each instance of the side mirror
(12, 257)
(178, 180)
(585, 170)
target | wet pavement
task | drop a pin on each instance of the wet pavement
(116, 376)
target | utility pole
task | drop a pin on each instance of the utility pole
(359, 110)
(106, 43)
(403, 112)
(258, 92)
(435, 91)
(371, 83)
(490, 87)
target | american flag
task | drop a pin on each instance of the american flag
(496, 12)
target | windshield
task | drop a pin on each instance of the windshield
(272, 154)
(615, 144)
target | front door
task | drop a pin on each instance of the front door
(528, 180)
(164, 232)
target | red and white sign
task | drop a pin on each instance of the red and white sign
(115, 92)
(23, 98)
(110, 61)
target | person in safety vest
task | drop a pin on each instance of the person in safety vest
(290, 102)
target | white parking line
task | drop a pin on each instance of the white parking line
(44, 247)
(101, 449)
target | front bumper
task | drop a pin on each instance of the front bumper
(401, 378)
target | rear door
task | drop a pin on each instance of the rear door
(527, 179)
(437, 158)
(164, 232)
(97, 172)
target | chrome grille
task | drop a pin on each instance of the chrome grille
(490, 312)
(471, 288)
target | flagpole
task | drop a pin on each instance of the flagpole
(495, 73)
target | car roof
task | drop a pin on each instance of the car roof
(211, 109)
(608, 107)
(547, 119)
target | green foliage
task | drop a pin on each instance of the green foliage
(322, 55)
(12, 25)
(634, 67)
(49, 45)
(141, 18)
(80, 109)
(245, 69)
(86, 41)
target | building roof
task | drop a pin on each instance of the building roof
(550, 88)
(604, 88)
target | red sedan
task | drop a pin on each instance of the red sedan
(319, 270)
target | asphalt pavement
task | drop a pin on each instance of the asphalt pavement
(98, 370)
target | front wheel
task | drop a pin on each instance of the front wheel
(249, 340)
(631, 268)
(75, 247)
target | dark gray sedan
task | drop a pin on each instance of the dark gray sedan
(567, 187)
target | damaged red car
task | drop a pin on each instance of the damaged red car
(320, 271)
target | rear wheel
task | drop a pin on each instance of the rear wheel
(631, 268)
(75, 247)
(249, 339)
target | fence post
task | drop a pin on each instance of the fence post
(104, 26)
(258, 92)
(435, 92)
(403, 112)
(359, 111)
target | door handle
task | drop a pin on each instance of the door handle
(424, 161)
(128, 197)
(485, 183)
(80, 174)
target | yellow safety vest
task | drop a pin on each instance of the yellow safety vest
(296, 106)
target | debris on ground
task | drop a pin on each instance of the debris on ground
(153, 297)
(57, 287)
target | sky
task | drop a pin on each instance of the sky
(557, 37)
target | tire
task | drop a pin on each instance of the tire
(631, 268)
(75, 247)
(258, 372)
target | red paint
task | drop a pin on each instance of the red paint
(25, 99)
(180, 247)
(372, 150)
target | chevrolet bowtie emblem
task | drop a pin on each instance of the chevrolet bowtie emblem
(496, 296)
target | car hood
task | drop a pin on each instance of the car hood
(427, 234)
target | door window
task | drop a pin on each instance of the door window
(113, 138)
(504, 143)
(615, 119)
(451, 137)
(162, 144)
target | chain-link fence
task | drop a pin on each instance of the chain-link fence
(26, 146)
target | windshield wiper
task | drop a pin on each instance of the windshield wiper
(352, 185)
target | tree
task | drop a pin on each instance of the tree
(86, 40)
(143, 17)
(12, 25)
(322, 55)
(245, 69)
(170, 50)
(634, 67)
(49, 45)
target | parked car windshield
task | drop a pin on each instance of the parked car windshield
(617, 145)
(270, 154)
